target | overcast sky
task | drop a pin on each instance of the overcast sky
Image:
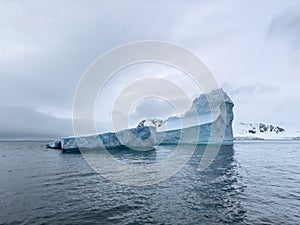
(251, 47)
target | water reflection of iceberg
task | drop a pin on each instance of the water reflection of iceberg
(215, 193)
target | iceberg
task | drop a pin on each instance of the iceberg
(208, 121)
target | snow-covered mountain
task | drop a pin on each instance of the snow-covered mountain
(257, 130)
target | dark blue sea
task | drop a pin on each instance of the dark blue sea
(254, 182)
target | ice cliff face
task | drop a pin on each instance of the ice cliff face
(214, 112)
(208, 121)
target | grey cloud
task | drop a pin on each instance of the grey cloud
(250, 90)
(19, 122)
(153, 108)
(287, 27)
(68, 38)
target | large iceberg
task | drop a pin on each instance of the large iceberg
(209, 121)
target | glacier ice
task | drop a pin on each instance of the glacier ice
(208, 121)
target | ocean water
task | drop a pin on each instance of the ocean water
(255, 182)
